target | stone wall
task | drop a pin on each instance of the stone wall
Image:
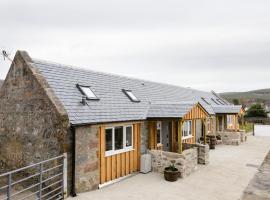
(87, 158)
(230, 138)
(203, 152)
(259, 186)
(186, 162)
(33, 124)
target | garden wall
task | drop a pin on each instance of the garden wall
(230, 138)
(186, 162)
(203, 152)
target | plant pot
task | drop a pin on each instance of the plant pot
(171, 175)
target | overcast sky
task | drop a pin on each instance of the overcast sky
(222, 45)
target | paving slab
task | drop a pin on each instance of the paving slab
(225, 178)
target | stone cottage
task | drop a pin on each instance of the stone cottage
(103, 122)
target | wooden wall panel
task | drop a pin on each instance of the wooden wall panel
(118, 165)
(152, 140)
(197, 112)
(102, 167)
(123, 164)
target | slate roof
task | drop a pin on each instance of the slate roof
(229, 109)
(167, 110)
(113, 105)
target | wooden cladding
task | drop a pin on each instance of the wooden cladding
(197, 112)
(152, 130)
(122, 164)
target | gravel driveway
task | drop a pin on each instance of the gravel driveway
(225, 178)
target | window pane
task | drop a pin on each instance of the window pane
(128, 136)
(108, 136)
(131, 95)
(158, 136)
(118, 138)
(189, 128)
(88, 92)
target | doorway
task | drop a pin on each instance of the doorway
(166, 135)
(199, 132)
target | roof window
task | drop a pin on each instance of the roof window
(205, 101)
(87, 91)
(214, 101)
(220, 102)
(130, 95)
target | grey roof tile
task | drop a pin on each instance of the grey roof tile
(114, 104)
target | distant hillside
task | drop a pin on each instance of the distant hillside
(259, 96)
(1, 82)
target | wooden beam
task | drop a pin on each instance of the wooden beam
(180, 146)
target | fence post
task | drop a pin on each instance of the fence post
(40, 180)
(9, 187)
(65, 175)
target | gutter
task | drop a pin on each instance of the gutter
(73, 152)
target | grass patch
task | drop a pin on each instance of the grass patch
(248, 127)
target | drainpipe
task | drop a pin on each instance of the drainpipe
(73, 188)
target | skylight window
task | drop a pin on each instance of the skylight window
(86, 90)
(205, 101)
(131, 96)
(214, 101)
(220, 101)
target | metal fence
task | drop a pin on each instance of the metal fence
(46, 180)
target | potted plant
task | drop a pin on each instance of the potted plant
(171, 173)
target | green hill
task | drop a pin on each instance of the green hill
(259, 96)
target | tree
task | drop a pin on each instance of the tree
(236, 101)
(256, 110)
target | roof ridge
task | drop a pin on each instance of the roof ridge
(46, 62)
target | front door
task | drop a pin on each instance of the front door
(165, 136)
(198, 130)
(220, 123)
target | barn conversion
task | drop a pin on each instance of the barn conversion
(104, 122)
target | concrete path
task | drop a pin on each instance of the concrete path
(225, 178)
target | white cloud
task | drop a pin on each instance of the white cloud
(220, 45)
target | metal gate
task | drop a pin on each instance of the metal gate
(46, 180)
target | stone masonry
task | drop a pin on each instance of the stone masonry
(186, 162)
(203, 152)
(230, 138)
(33, 124)
(87, 158)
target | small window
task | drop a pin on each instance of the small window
(205, 101)
(220, 102)
(187, 129)
(86, 90)
(214, 101)
(118, 139)
(109, 139)
(131, 96)
(159, 138)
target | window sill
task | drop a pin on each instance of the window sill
(111, 153)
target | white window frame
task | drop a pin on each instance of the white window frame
(189, 130)
(125, 148)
